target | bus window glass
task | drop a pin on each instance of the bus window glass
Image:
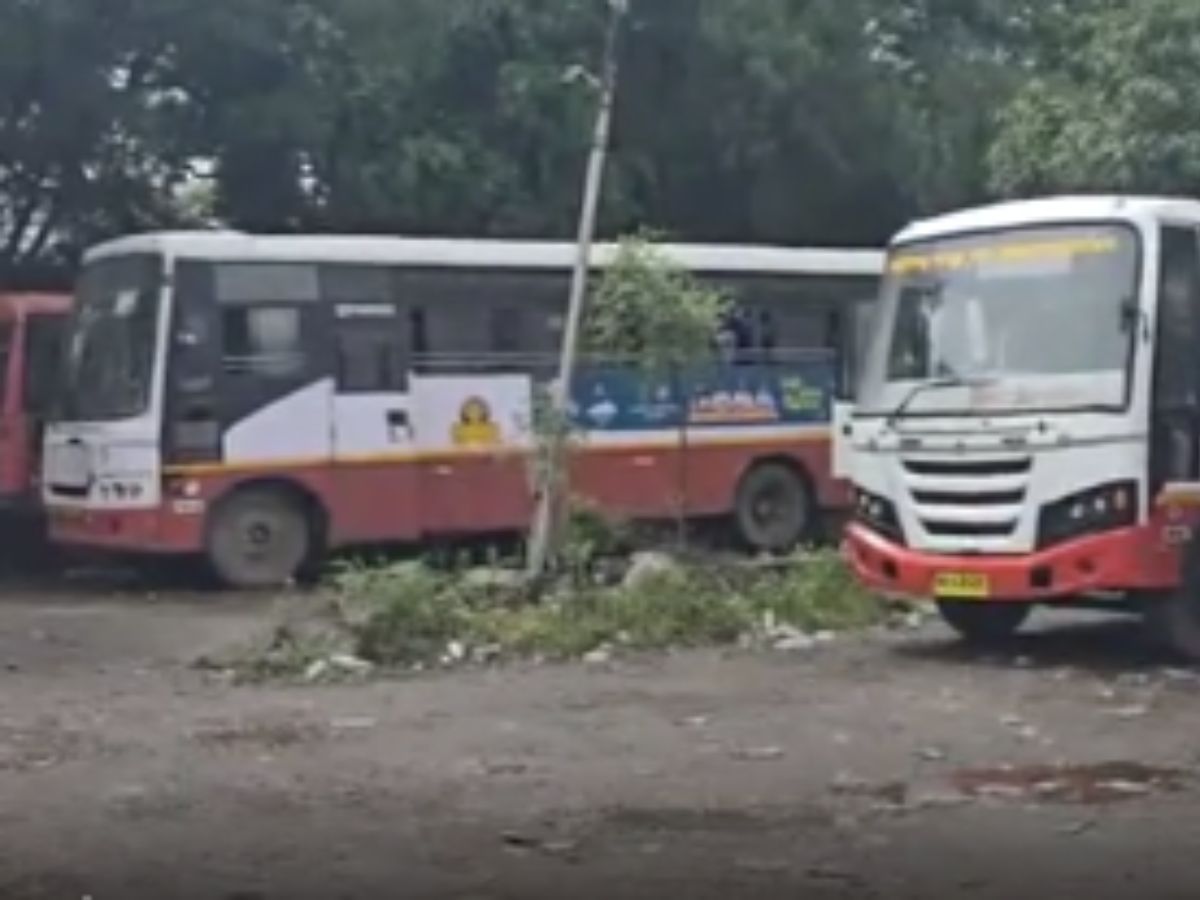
(265, 341)
(506, 330)
(109, 364)
(1039, 314)
(43, 361)
(267, 283)
(420, 333)
(368, 349)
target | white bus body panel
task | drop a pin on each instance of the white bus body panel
(843, 450)
(105, 466)
(1066, 452)
(1061, 456)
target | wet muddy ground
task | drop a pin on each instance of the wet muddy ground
(896, 766)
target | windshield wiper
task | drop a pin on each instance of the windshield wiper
(946, 381)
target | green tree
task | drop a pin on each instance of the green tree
(1117, 111)
(82, 105)
(829, 121)
(659, 321)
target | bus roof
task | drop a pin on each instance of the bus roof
(441, 253)
(1049, 210)
(37, 304)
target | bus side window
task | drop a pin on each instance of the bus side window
(856, 344)
(269, 314)
(369, 340)
(505, 330)
(766, 337)
(368, 349)
(910, 357)
(418, 324)
(43, 347)
(264, 341)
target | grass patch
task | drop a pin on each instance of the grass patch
(409, 615)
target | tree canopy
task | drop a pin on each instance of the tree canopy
(817, 122)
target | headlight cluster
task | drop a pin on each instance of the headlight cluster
(878, 514)
(1094, 511)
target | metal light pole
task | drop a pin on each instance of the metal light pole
(543, 535)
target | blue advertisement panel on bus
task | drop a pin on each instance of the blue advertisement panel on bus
(797, 392)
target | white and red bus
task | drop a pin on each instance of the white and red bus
(1027, 428)
(261, 400)
(31, 333)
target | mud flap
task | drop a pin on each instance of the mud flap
(1173, 616)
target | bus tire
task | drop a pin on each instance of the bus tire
(773, 510)
(259, 537)
(984, 624)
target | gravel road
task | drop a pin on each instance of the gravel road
(892, 766)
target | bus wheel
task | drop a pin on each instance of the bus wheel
(984, 624)
(774, 508)
(259, 538)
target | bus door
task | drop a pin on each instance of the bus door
(1175, 412)
(377, 472)
(12, 436)
(40, 338)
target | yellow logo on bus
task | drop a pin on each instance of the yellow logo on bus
(475, 427)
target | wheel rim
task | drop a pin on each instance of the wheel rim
(775, 513)
(259, 546)
(768, 507)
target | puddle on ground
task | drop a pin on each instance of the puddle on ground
(1079, 784)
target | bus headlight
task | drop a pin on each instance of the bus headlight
(878, 514)
(183, 488)
(1094, 511)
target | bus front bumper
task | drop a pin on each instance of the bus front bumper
(1125, 560)
(159, 530)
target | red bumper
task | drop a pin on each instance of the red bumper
(1131, 559)
(128, 531)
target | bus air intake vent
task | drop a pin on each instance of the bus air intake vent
(970, 529)
(971, 499)
(962, 468)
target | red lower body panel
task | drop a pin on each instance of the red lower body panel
(143, 531)
(1130, 559)
(457, 495)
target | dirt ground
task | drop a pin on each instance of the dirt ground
(849, 771)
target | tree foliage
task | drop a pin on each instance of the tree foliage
(1118, 109)
(823, 122)
(649, 311)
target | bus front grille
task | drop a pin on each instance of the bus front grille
(970, 499)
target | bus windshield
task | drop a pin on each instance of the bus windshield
(1023, 320)
(109, 360)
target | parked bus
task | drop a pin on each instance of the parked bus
(31, 332)
(1027, 426)
(261, 400)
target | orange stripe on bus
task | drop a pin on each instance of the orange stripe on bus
(450, 455)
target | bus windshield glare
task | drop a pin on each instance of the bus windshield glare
(1023, 320)
(109, 360)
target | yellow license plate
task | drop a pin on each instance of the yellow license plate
(962, 586)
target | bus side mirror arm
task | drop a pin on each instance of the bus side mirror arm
(1134, 317)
